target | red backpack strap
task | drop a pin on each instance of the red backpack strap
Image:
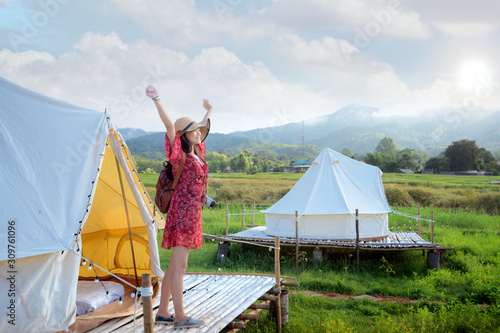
(179, 170)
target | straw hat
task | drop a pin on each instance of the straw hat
(186, 124)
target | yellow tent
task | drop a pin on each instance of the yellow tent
(69, 191)
(116, 234)
(108, 231)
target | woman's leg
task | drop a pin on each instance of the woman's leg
(178, 266)
(166, 292)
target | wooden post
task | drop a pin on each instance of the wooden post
(357, 236)
(432, 226)
(278, 280)
(253, 214)
(227, 218)
(296, 239)
(418, 219)
(147, 306)
(242, 216)
(419, 224)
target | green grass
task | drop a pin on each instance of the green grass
(442, 181)
(463, 296)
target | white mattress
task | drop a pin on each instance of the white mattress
(91, 295)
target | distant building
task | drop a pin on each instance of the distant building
(407, 171)
(466, 173)
(299, 166)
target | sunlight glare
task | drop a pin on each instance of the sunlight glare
(473, 73)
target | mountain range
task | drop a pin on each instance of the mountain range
(356, 127)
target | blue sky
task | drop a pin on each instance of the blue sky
(260, 63)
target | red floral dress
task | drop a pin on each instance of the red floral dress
(183, 226)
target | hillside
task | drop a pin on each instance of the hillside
(152, 146)
(355, 127)
(359, 128)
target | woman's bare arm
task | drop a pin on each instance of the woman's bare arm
(169, 124)
(208, 107)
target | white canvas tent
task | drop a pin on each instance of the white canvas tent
(64, 173)
(326, 199)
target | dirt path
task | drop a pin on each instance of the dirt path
(375, 298)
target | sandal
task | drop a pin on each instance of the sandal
(164, 320)
(191, 322)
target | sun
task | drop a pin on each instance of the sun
(473, 73)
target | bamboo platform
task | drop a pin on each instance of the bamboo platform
(217, 299)
(396, 241)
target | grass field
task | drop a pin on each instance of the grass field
(463, 296)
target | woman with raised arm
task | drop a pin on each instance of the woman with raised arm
(183, 229)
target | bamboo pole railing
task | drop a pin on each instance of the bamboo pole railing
(357, 236)
(278, 281)
(432, 226)
(297, 240)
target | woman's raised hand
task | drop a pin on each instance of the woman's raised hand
(206, 105)
(151, 92)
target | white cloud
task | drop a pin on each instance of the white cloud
(376, 19)
(91, 42)
(179, 23)
(467, 30)
(352, 76)
(460, 18)
(244, 96)
(347, 72)
(102, 71)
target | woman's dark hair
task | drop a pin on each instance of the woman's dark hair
(186, 146)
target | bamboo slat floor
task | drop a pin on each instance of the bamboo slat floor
(217, 299)
(400, 241)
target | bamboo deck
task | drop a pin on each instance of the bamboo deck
(216, 299)
(396, 241)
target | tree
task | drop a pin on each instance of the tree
(484, 159)
(407, 160)
(239, 163)
(486, 155)
(438, 164)
(462, 155)
(386, 146)
(143, 164)
(497, 154)
(385, 162)
(216, 162)
(256, 162)
(492, 167)
(347, 152)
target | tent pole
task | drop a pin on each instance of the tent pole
(128, 220)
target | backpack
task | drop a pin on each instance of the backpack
(166, 185)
